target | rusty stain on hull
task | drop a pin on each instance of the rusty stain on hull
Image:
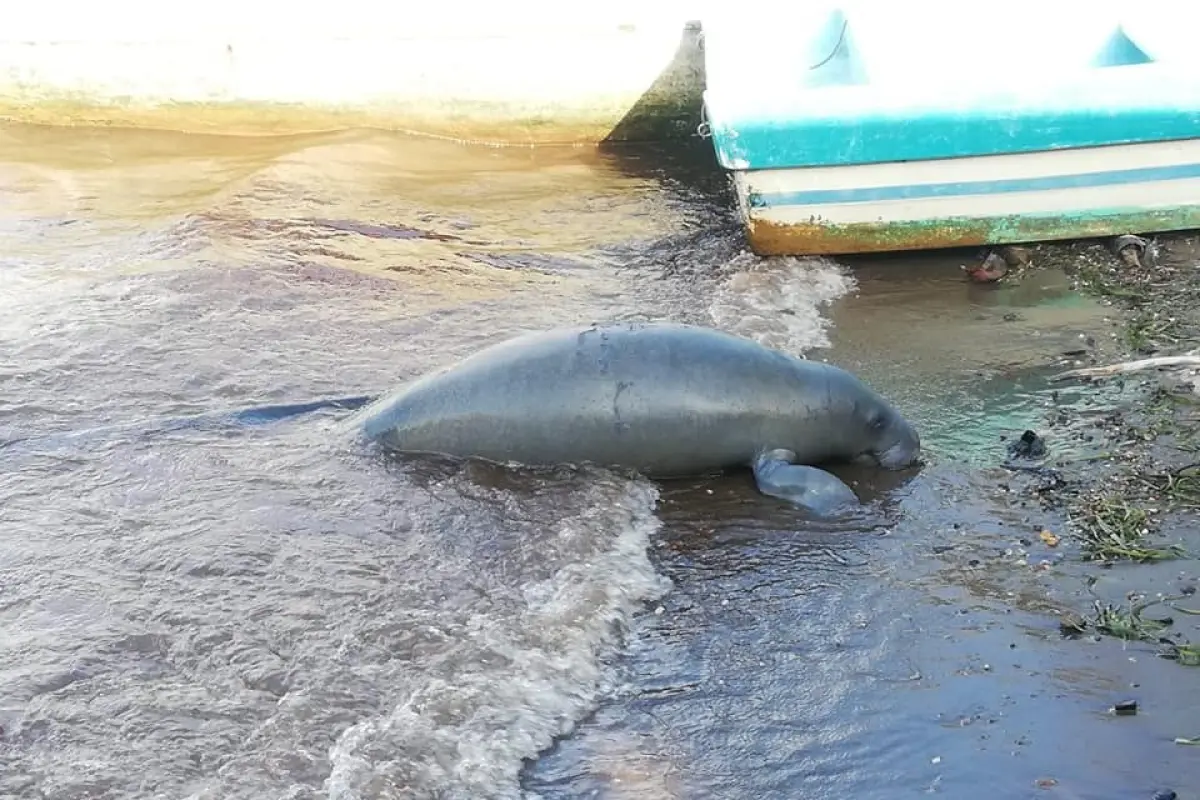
(769, 238)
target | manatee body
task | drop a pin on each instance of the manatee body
(666, 400)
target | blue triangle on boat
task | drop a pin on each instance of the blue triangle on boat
(1120, 51)
(837, 62)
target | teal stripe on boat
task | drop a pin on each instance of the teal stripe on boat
(778, 144)
(769, 125)
(923, 191)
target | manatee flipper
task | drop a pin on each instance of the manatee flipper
(814, 489)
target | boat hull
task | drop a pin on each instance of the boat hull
(515, 73)
(984, 200)
(859, 126)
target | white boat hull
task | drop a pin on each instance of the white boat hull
(508, 73)
(1020, 197)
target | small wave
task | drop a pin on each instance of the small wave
(778, 301)
(508, 685)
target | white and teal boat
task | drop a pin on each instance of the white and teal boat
(872, 126)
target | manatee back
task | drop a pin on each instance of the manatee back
(478, 385)
(657, 396)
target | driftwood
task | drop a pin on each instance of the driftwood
(1125, 367)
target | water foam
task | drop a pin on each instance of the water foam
(509, 686)
(778, 301)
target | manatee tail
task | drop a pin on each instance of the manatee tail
(257, 415)
(260, 415)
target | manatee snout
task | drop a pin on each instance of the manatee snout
(903, 445)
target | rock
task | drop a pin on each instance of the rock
(1029, 446)
(1126, 708)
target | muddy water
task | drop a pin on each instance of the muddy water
(268, 612)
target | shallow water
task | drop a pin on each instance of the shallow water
(272, 612)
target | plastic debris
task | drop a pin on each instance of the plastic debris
(1126, 708)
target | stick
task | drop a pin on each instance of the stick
(1124, 367)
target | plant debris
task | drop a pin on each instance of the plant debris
(1111, 528)
(1127, 624)
(1130, 625)
(1181, 486)
(1187, 655)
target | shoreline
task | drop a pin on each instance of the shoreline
(1129, 512)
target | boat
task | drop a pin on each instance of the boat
(868, 126)
(518, 73)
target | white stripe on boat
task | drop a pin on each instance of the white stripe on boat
(1073, 201)
(978, 168)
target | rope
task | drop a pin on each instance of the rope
(833, 52)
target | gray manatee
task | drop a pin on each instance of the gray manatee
(665, 400)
